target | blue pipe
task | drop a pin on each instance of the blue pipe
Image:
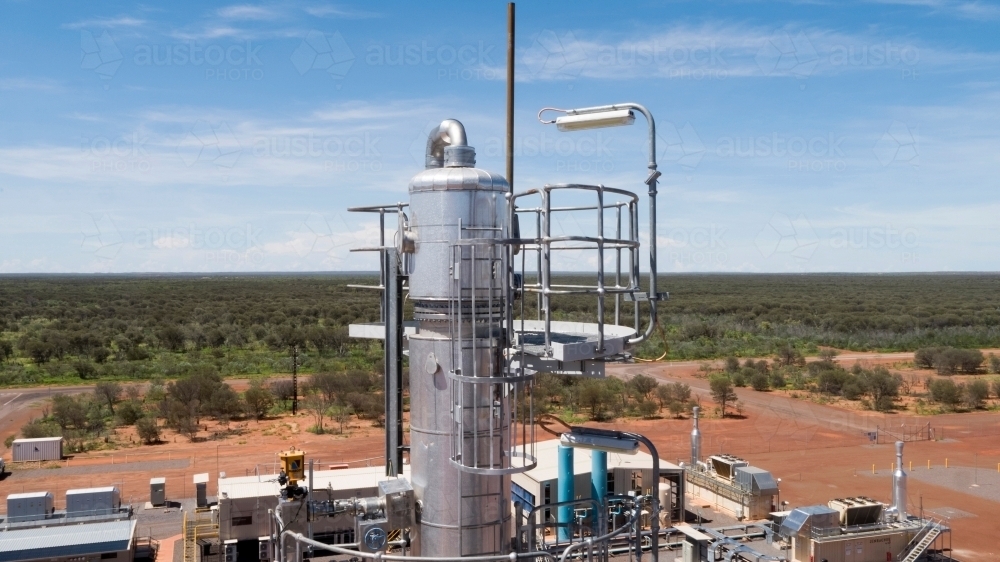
(564, 514)
(598, 475)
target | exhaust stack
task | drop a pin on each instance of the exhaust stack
(899, 484)
(695, 440)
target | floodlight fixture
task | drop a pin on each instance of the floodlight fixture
(621, 445)
(573, 121)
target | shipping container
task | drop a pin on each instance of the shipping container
(92, 501)
(29, 506)
(39, 449)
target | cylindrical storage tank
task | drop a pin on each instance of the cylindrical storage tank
(38, 449)
(462, 513)
(666, 503)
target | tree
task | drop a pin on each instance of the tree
(760, 382)
(258, 400)
(224, 404)
(180, 416)
(788, 356)
(316, 403)
(172, 338)
(129, 412)
(283, 391)
(340, 414)
(147, 429)
(329, 385)
(945, 392)
(596, 396)
(109, 393)
(976, 393)
(993, 363)
(722, 391)
(732, 364)
(996, 387)
(648, 409)
(881, 386)
(642, 385)
(68, 411)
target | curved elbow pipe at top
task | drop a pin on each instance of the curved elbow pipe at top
(449, 134)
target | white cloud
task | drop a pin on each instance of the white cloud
(108, 22)
(247, 12)
(332, 11)
(37, 84)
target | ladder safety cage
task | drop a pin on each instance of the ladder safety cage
(546, 247)
(494, 432)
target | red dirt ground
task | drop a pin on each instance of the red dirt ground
(820, 452)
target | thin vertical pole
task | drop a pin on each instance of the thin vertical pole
(295, 379)
(510, 95)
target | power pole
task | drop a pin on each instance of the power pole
(295, 379)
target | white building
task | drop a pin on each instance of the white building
(539, 486)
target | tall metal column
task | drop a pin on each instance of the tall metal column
(393, 301)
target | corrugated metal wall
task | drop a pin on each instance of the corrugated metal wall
(32, 450)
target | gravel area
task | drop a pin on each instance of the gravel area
(960, 479)
(142, 466)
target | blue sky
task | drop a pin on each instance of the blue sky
(793, 137)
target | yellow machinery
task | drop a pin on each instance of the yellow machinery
(293, 463)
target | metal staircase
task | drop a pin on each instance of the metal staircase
(922, 541)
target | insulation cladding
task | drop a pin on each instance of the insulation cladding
(39, 449)
(462, 513)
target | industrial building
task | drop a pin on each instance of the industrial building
(93, 527)
(731, 485)
(37, 449)
(625, 473)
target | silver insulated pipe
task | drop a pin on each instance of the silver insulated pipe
(695, 440)
(899, 484)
